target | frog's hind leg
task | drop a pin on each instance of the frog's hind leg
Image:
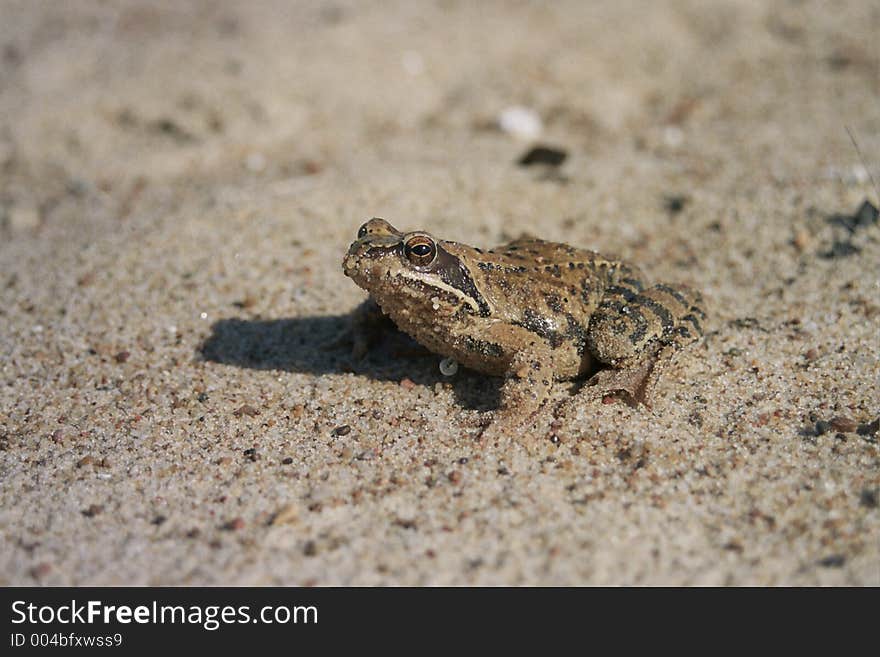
(632, 327)
(628, 323)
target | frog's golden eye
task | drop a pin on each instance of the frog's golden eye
(420, 250)
(362, 232)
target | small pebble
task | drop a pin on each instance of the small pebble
(41, 570)
(869, 429)
(286, 515)
(287, 460)
(801, 240)
(521, 122)
(233, 525)
(407, 383)
(344, 430)
(93, 510)
(674, 203)
(85, 460)
(843, 424)
(833, 561)
(448, 367)
(121, 357)
(246, 409)
(546, 155)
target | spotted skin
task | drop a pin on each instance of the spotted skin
(531, 311)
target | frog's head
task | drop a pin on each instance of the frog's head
(411, 269)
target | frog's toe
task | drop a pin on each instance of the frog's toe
(633, 381)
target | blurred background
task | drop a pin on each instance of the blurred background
(107, 97)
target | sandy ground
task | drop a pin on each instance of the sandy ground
(180, 182)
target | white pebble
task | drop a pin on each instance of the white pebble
(521, 122)
(448, 367)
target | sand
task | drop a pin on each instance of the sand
(180, 182)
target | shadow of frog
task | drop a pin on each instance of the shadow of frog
(317, 345)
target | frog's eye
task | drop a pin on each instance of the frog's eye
(420, 250)
(362, 232)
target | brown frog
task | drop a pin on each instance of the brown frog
(531, 311)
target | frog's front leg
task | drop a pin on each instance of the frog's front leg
(528, 366)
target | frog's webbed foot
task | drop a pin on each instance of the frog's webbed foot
(368, 323)
(634, 381)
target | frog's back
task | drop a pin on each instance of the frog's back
(550, 289)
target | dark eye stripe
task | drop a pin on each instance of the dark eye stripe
(455, 274)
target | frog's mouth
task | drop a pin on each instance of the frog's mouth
(364, 254)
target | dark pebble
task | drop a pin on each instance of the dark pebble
(158, 520)
(869, 429)
(251, 454)
(122, 356)
(868, 498)
(865, 216)
(203, 397)
(674, 204)
(840, 249)
(833, 561)
(344, 430)
(310, 549)
(93, 510)
(543, 155)
(286, 460)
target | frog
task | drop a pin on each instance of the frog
(531, 311)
